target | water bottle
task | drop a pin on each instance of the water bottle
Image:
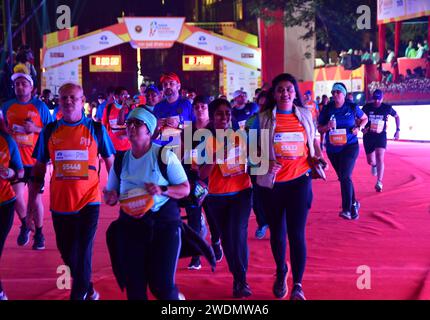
(333, 118)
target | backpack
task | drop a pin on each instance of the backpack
(198, 189)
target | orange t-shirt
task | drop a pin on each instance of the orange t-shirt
(220, 182)
(295, 163)
(73, 149)
(116, 133)
(16, 114)
(9, 158)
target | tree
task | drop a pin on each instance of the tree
(331, 21)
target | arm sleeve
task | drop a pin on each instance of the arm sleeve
(175, 172)
(358, 112)
(392, 112)
(15, 162)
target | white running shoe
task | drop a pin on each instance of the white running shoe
(378, 186)
(3, 296)
(181, 296)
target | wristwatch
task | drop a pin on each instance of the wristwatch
(164, 190)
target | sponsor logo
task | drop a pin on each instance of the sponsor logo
(104, 40)
(56, 54)
(202, 41)
(223, 48)
(247, 55)
(138, 29)
(153, 28)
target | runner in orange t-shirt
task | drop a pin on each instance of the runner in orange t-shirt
(229, 199)
(25, 117)
(73, 144)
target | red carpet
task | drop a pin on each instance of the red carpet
(391, 238)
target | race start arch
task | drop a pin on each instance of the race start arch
(62, 51)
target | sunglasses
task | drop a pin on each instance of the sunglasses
(336, 92)
(135, 122)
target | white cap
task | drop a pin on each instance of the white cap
(22, 75)
(237, 93)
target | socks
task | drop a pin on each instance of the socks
(23, 222)
(38, 231)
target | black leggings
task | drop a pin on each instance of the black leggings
(150, 252)
(194, 216)
(343, 163)
(6, 221)
(286, 207)
(231, 214)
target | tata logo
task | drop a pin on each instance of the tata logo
(202, 41)
(104, 40)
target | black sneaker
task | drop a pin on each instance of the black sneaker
(241, 290)
(92, 295)
(195, 264)
(39, 242)
(24, 236)
(297, 293)
(280, 288)
(217, 251)
(354, 210)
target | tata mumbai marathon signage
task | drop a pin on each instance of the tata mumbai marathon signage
(158, 33)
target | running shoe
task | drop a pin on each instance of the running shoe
(297, 293)
(24, 236)
(374, 171)
(280, 288)
(3, 296)
(39, 242)
(260, 233)
(345, 214)
(92, 295)
(195, 264)
(218, 251)
(241, 290)
(181, 296)
(378, 186)
(354, 210)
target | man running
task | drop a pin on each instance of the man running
(375, 134)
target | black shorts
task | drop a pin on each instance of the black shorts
(372, 141)
(26, 179)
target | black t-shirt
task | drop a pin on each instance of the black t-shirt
(376, 115)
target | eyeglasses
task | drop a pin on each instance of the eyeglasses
(135, 122)
(73, 98)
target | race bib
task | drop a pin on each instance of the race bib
(338, 137)
(71, 164)
(136, 202)
(21, 137)
(376, 123)
(231, 165)
(290, 145)
(242, 124)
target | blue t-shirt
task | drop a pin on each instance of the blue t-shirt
(181, 107)
(100, 109)
(345, 119)
(241, 115)
(136, 172)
